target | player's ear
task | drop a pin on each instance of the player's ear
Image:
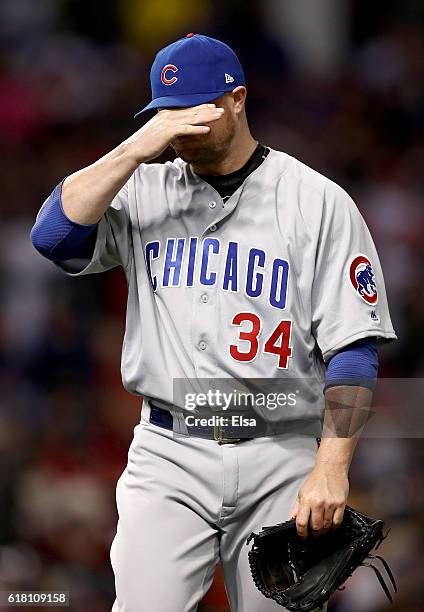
(239, 98)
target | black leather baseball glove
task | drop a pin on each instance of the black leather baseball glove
(300, 574)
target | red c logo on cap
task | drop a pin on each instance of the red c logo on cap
(163, 76)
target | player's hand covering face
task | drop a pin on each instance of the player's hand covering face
(213, 145)
(168, 125)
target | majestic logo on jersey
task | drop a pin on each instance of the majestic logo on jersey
(186, 262)
(164, 78)
(363, 280)
(374, 316)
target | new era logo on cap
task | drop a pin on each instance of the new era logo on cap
(193, 70)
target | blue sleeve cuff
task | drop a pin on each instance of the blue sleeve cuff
(54, 235)
(356, 364)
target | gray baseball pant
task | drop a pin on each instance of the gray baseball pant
(185, 503)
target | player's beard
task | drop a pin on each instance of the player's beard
(205, 150)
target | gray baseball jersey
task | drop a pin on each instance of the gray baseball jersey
(249, 288)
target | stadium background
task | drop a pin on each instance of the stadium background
(336, 83)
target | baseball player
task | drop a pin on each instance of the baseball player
(243, 264)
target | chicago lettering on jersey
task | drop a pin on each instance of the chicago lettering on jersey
(181, 262)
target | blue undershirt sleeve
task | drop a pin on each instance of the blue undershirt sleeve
(355, 364)
(55, 236)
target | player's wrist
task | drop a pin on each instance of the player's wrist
(334, 458)
(338, 469)
(131, 155)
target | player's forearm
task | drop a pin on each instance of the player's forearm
(346, 413)
(322, 498)
(86, 194)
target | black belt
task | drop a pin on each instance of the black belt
(223, 432)
(226, 431)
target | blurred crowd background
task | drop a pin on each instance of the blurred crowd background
(338, 84)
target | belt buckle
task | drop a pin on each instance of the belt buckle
(218, 437)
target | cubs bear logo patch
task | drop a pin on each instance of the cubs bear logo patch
(362, 277)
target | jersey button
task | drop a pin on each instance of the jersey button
(213, 228)
(204, 298)
(212, 204)
(202, 345)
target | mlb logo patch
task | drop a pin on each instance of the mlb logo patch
(362, 278)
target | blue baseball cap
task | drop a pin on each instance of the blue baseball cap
(193, 70)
